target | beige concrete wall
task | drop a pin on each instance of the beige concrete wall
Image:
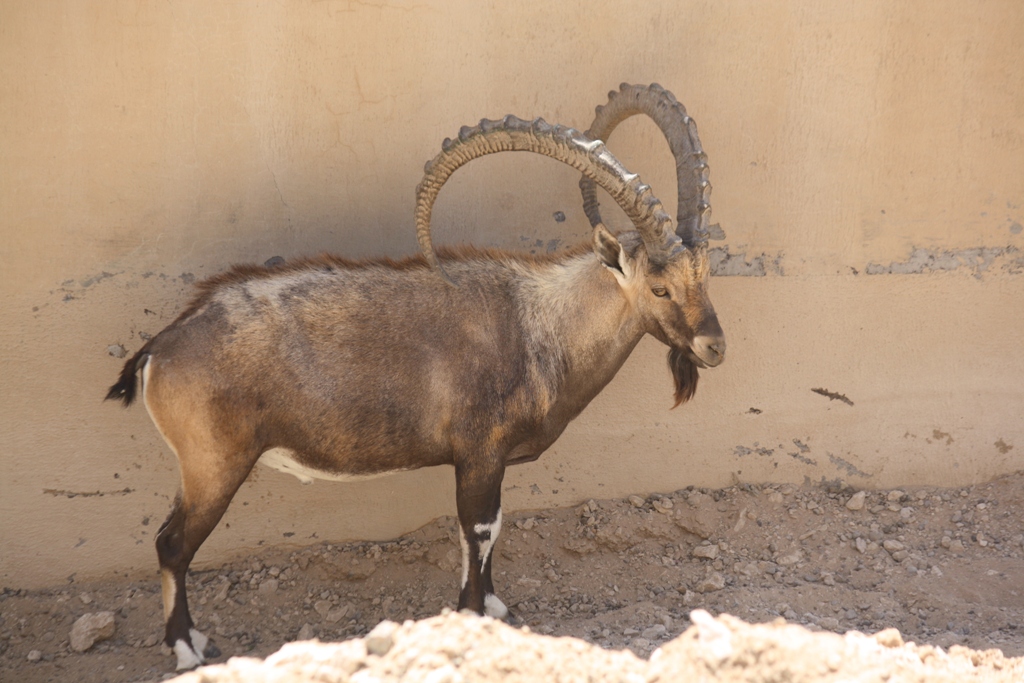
(868, 158)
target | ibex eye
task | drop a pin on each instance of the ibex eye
(659, 291)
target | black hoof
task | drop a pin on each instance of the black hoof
(211, 651)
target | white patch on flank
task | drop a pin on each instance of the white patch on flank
(485, 546)
(283, 460)
(146, 371)
(199, 641)
(187, 657)
(169, 591)
(465, 557)
(493, 607)
(270, 288)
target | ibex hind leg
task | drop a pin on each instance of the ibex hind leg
(478, 497)
(197, 510)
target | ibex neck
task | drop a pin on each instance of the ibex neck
(580, 324)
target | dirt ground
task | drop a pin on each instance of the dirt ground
(943, 566)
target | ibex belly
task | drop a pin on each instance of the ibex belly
(283, 460)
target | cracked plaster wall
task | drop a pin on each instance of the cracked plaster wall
(867, 170)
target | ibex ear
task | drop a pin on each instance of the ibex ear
(611, 253)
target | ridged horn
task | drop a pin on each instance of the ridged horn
(693, 189)
(568, 145)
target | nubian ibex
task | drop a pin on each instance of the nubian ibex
(336, 369)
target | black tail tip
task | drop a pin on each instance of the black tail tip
(123, 391)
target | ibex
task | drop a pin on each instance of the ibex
(334, 369)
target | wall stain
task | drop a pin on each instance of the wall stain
(1003, 447)
(802, 448)
(847, 466)
(740, 451)
(939, 436)
(833, 396)
(977, 259)
(724, 263)
(87, 494)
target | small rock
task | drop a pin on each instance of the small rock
(662, 505)
(337, 614)
(381, 638)
(359, 569)
(85, 598)
(117, 351)
(222, 592)
(707, 552)
(151, 641)
(654, 632)
(636, 501)
(892, 545)
(829, 623)
(269, 587)
(306, 632)
(641, 646)
(790, 558)
(714, 582)
(526, 524)
(861, 544)
(34, 655)
(90, 628)
(957, 546)
(856, 501)
(906, 513)
(322, 607)
(890, 637)
(895, 496)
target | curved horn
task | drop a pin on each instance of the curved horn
(568, 145)
(680, 131)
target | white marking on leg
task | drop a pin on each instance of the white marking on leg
(199, 641)
(465, 556)
(486, 546)
(493, 607)
(187, 657)
(169, 591)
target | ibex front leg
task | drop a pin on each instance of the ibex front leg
(478, 497)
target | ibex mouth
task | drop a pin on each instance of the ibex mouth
(707, 352)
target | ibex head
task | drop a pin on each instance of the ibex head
(665, 272)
